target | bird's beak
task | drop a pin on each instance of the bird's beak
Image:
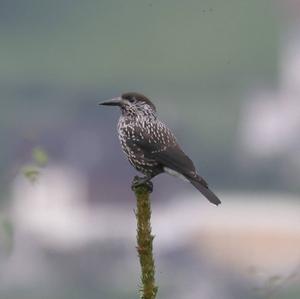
(112, 102)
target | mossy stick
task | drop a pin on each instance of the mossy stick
(148, 289)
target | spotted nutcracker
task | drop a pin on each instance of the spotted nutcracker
(149, 144)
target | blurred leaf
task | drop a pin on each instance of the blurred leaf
(40, 156)
(8, 230)
(31, 173)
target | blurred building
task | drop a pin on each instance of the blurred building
(241, 237)
(270, 118)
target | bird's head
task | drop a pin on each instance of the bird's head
(132, 104)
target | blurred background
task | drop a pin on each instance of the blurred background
(225, 76)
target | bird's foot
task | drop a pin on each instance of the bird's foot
(144, 181)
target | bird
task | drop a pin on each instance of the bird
(150, 145)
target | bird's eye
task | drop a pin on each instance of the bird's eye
(131, 100)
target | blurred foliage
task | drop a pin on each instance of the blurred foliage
(277, 286)
(33, 170)
(7, 233)
(31, 173)
(114, 42)
(198, 55)
(40, 156)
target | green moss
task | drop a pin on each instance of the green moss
(148, 289)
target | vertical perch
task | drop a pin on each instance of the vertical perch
(148, 288)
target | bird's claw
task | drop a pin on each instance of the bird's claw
(144, 181)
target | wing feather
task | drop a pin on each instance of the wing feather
(159, 143)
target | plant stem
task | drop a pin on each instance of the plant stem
(148, 289)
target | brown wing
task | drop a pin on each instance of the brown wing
(158, 143)
(164, 149)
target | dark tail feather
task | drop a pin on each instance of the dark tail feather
(205, 191)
